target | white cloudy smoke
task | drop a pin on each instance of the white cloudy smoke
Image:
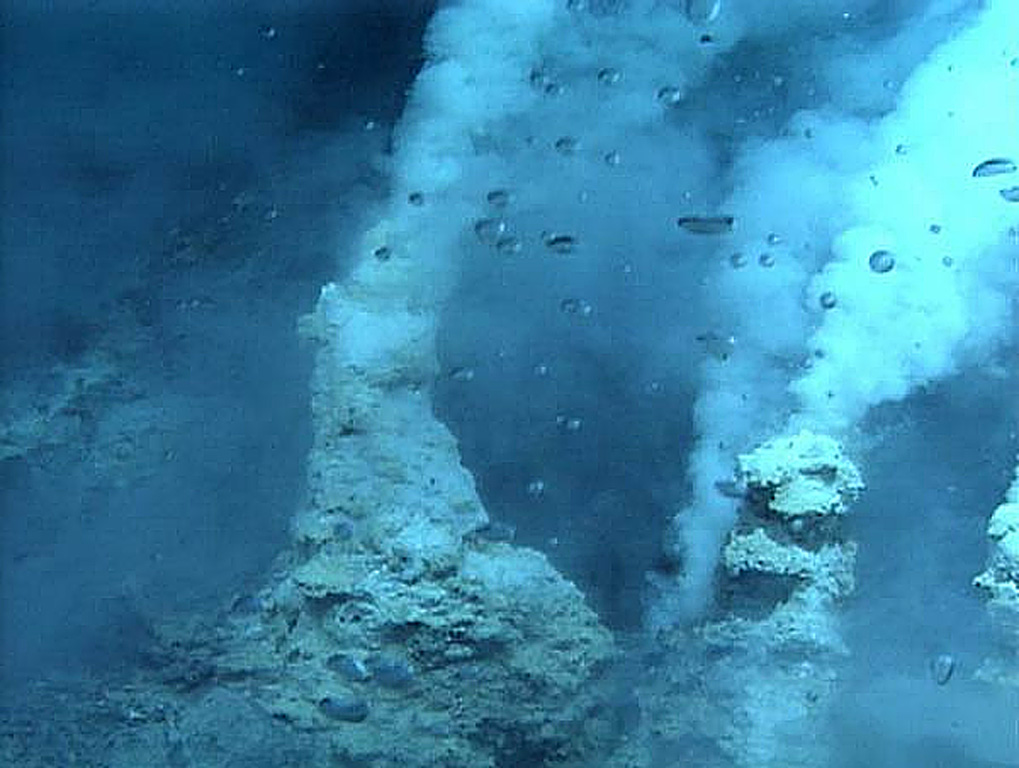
(829, 132)
(894, 260)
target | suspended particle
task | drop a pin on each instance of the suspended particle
(881, 261)
(766, 260)
(1010, 194)
(669, 96)
(499, 198)
(942, 667)
(566, 145)
(609, 76)
(738, 260)
(773, 239)
(947, 261)
(489, 230)
(541, 369)
(827, 300)
(268, 32)
(416, 198)
(935, 229)
(612, 158)
(559, 243)
(706, 225)
(901, 149)
(994, 167)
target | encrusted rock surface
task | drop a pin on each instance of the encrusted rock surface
(763, 670)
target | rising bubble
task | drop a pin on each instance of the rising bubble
(994, 167)
(489, 230)
(499, 198)
(881, 261)
(566, 145)
(669, 96)
(942, 667)
(609, 76)
(559, 243)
